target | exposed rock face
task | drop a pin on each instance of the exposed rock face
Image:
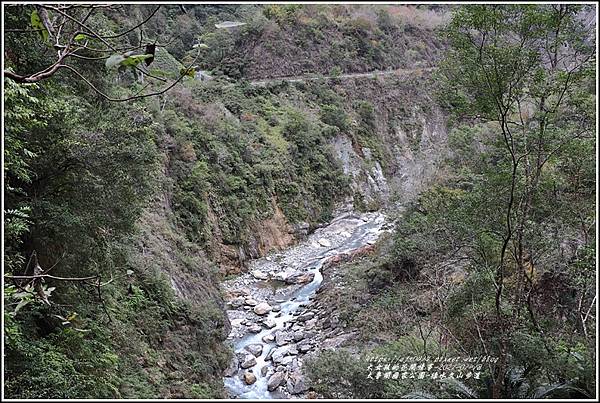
(369, 182)
(301, 278)
(306, 316)
(277, 354)
(301, 229)
(280, 353)
(237, 302)
(282, 338)
(304, 347)
(269, 323)
(294, 277)
(232, 368)
(345, 257)
(417, 152)
(270, 353)
(284, 275)
(298, 335)
(273, 233)
(324, 242)
(268, 338)
(287, 360)
(296, 383)
(259, 275)
(409, 140)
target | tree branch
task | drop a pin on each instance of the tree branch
(137, 26)
(51, 276)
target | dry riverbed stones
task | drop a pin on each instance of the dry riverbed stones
(275, 380)
(255, 349)
(255, 300)
(248, 361)
(262, 309)
(249, 378)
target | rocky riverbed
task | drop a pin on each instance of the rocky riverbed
(276, 323)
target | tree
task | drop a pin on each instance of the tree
(527, 71)
(81, 32)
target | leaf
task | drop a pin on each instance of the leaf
(29, 154)
(80, 37)
(20, 305)
(36, 23)
(114, 61)
(418, 395)
(134, 60)
(460, 388)
(191, 72)
(48, 291)
(19, 295)
(549, 391)
(126, 60)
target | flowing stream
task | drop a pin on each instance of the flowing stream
(346, 233)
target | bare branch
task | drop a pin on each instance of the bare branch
(137, 26)
(51, 276)
(108, 98)
(82, 25)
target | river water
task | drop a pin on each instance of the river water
(344, 234)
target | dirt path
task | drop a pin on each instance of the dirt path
(378, 73)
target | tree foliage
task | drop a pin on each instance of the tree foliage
(518, 79)
(84, 36)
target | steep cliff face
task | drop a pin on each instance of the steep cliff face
(187, 351)
(401, 153)
(267, 155)
(294, 39)
(270, 234)
(369, 185)
(255, 168)
(228, 162)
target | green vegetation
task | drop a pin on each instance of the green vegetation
(77, 182)
(244, 148)
(122, 218)
(290, 39)
(127, 200)
(498, 256)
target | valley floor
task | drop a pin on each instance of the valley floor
(276, 321)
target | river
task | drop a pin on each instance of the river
(273, 325)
